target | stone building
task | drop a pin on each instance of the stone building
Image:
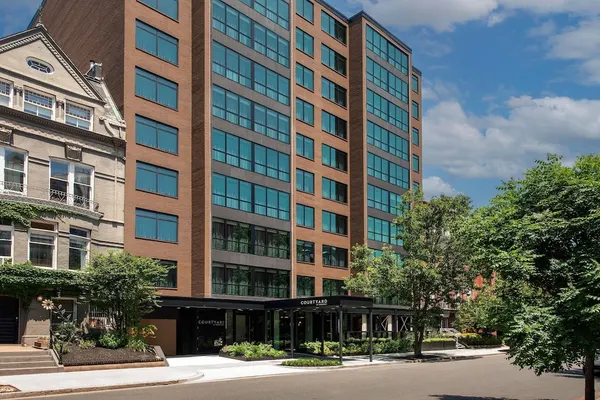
(62, 144)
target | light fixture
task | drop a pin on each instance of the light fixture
(40, 298)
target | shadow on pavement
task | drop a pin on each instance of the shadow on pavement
(457, 397)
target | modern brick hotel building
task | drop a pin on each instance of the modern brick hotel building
(265, 139)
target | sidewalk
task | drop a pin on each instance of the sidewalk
(64, 382)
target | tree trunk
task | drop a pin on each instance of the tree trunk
(419, 336)
(590, 391)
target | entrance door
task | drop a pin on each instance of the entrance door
(210, 331)
(9, 320)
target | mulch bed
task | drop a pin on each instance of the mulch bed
(99, 356)
(8, 389)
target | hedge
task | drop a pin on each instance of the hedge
(311, 362)
(359, 346)
(475, 339)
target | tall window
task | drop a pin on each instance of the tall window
(335, 223)
(305, 9)
(156, 226)
(38, 104)
(416, 186)
(386, 50)
(334, 190)
(305, 42)
(415, 83)
(333, 27)
(384, 200)
(6, 234)
(71, 183)
(5, 94)
(335, 158)
(415, 136)
(387, 111)
(305, 251)
(386, 80)
(305, 181)
(305, 286)
(156, 135)
(383, 231)
(387, 171)
(305, 146)
(305, 77)
(333, 287)
(168, 7)
(415, 163)
(79, 248)
(156, 42)
(155, 88)
(12, 170)
(415, 110)
(277, 11)
(387, 141)
(42, 244)
(305, 216)
(170, 282)
(334, 92)
(335, 257)
(333, 60)
(305, 111)
(150, 178)
(78, 116)
(334, 125)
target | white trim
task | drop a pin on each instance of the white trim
(11, 229)
(71, 178)
(87, 240)
(53, 233)
(90, 109)
(11, 91)
(40, 93)
(3, 166)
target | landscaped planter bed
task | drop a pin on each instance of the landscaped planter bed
(99, 356)
(242, 358)
(438, 345)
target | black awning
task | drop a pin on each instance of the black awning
(320, 303)
(207, 302)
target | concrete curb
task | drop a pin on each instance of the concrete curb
(20, 395)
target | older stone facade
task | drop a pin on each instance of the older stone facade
(62, 144)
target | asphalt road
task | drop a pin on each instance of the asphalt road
(488, 378)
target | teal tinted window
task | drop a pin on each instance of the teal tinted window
(334, 92)
(415, 110)
(386, 50)
(382, 231)
(384, 200)
(305, 111)
(305, 216)
(333, 27)
(305, 42)
(334, 190)
(334, 125)
(305, 9)
(387, 141)
(335, 257)
(168, 7)
(155, 225)
(305, 181)
(334, 158)
(151, 178)
(387, 171)
(156, 42)
(335, 223)
(415, 136)
(305, 77)
(277, 11)
(155, 88)
(415, 83)
(386, 80)
(386, 110)
(305, 146)
(415, 163)
(333, 60)
(154, 134)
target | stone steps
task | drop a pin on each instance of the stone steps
(27, 362)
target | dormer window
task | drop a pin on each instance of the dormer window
(78, 116)
(5, 94)
(39, 104)
(40, 65)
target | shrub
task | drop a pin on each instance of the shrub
(252, 351)
(439, 340)
(359, 346)
(136, 344)
(475, 339)
(87, 344)
(113, 340)
(310, 362)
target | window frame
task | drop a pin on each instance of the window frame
(416, 134)
(157, 81)
(303, 224)
(157, 173)
(36, 92)
(11, 229)
(415, 83)
(158, 10)
(48, 233)
(304, 36)
(338, 154)
(311, 257)
(328, 53)
(337, 122)
(11, 92)
(147, 122)
(332, 183)
(328, 18)
(416, 164)
(156, 218)
(303, 70)
(339, 96)
(416, 110)
(336, 250)
(302, 111)
(301, 13)
(87, 108)
(305, 174)
(304, 139)
(157, 34)
(3, 168)
(338, 225)
(87, 240)
(305, 279)
(70, 193)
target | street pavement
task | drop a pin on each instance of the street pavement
(487, 378)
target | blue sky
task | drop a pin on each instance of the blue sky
(505, 82)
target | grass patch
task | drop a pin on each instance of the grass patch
(311, 362)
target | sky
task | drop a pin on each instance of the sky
(505, 82)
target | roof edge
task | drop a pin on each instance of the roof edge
(332, 9)
(363, 14)
(417, 71)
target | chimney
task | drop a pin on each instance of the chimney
(95, 70)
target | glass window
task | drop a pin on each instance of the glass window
(276, 10)
(415, 136)
(42, 245)
(335, 223)
(334, 125)
(305, 181)
(5, 94)
(238, 280)
(78, 116)
(386, 50)
(305, 9)
(305, 251)
(250, 239)
(156, 135)
(305, 77)
(305, 42)
(335, 158)
(170, 281)
(415, 163)
(333, 27)
(382, 231)
(387, 171)
(305, 286)
(387, 141)
(333, 60)
(415, 110)
(155, 88)
(12, 170)
(383, 200)
(333, 92)
(333, 287)
(305, 146)
(79, 248)
(150, 178)
(387, 111)
(305, 216)
(415, 83)
(335, 257)
(168, 7)
(71, 183)
(386, 80)
(6, 234)
(38, 104)
(156, 226)
(334, 190)
(305, 111)
(156, 42)
(416, 186)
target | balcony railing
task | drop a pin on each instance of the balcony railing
(18, 189)
(239, 246)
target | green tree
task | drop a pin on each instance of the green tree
(124, 286)
(540, 236)
(480, 313)
(434, 269)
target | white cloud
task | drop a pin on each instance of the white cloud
(435, 186)
(546, 29)
(502, 146)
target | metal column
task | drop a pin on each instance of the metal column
(322, 334)
(341, 333)
(370, 335)
(292, 332)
